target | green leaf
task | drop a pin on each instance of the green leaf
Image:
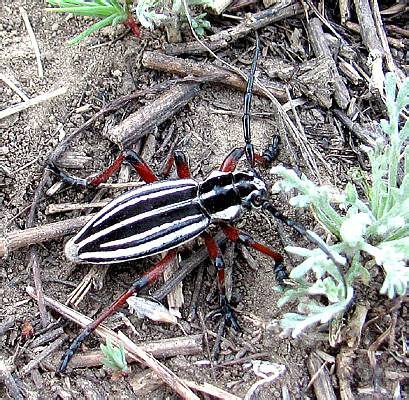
(115, 356)
(111, 12)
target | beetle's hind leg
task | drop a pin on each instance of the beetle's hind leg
(134, 159)
(151, 276)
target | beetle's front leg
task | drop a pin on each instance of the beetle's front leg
(238, 236)
(215, 255)
(230, 162)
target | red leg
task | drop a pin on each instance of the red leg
(168, 166)
(108, 172)
(129, 156)
(237, 236)
(182, 167)
(140, 166)
(152, 275)
(270, 154)
(215, 255)
(230, 162)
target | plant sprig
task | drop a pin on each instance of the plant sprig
(376, 228)
(115, 356)
(111, 12)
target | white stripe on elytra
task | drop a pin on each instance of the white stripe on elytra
(164, 228)
(158, 243)
(114, 209)
(133, 220)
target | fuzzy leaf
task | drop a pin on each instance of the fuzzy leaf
(115, 356)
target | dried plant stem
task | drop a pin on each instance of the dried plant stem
(320, 378)
(144, 121)
(184, 67)
(31, 102)
(186, 345)
(9, 382)
(38, 234)
(133, 351)
(222, 39)
(33, 39)
(12, 86)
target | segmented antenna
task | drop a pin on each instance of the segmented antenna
(249, 149)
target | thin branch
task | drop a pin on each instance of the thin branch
(33, 39)
(39, 234)
(132, 349)
(31, 102)
(12, 86)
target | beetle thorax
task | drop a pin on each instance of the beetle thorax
(224, 194)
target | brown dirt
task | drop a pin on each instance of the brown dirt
(96, 71)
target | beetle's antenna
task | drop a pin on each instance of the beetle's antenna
(249, 149)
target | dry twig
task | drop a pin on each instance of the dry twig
(45, 353)
(209, 72)
(347, 353)
(320, 378)
(39, 234)
(372, 42)
(222, 39)
(31, 102)
(33, 265)
(12, 86)
(9, 382)
(133, 351)
(321, 50)
(146, 119)
(185, 345)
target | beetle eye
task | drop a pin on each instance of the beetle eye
(256, 199)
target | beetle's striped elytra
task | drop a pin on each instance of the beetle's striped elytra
(161, 216)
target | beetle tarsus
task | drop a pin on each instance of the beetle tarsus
(67, 178)
(281, 274)
(272, 150)
(73, 348)
(228, 314)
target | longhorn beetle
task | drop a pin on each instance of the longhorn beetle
(163, 215)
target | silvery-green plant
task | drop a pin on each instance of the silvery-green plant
(115, 356)
(374, 229)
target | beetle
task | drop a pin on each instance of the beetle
(164, 214)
